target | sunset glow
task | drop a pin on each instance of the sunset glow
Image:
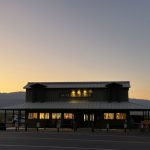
(63, 40)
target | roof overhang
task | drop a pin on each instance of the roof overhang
(79, 105)
(124, 84)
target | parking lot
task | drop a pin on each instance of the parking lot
(68, 140)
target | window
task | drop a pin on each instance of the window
(109, 116)
(56, 115)
(85, 94)
(73, 93)
(44, 115)
(41, 115)
(81, 93)
(90, 91)
(86, 117)
(68, 116)
(32, 115)
(121, 116)
(91, 117)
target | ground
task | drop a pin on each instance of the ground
(68, 140)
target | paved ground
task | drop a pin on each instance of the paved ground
(68, 140)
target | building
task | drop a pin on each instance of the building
(85, 103)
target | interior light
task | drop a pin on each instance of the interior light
(79, 93)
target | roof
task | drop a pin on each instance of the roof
(125, 84)
(78, 105)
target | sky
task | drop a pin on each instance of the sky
(75, 40)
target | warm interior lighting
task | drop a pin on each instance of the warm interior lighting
(46, 115)
(32, 116)
(79, 93)
(73, 93)
(56, 115)
(91, 117)
(85, 93)
(90, 91)
(109, 116)
(85, 117)
(68, 116)
(120, 116)
(41, 115)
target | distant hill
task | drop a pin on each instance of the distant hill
(141, 101)
(7, 99)
(13, 98)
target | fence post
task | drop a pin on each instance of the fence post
(125, 128)
(107, 126)
(37, 126)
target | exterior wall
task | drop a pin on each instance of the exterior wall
(64, 95)
(124, 94)
(98, 94)
(28, 95)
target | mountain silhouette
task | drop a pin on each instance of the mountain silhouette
(13, 98)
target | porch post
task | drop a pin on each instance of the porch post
(5, 117)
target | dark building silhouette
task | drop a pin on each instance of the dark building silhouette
(79, 104)
(87, 91)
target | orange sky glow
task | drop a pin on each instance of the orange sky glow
(62, 40)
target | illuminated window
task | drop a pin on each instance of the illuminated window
(46, 115)
(109, 116)
(90, 91)
(91, 117)
(68, 116)
(41, 115)
(79, 93)
(120, 116)
(56, 115)
(35, 115)
(86, 117)
(85, 94)
(73, 93)
(32, 115)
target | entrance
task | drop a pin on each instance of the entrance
(88, 119)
